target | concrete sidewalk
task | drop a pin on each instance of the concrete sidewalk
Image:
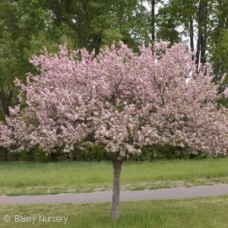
(100, 197)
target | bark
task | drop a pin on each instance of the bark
(117, 164)
(152, 24)
(204, 37)
(199, 38)
(202, 33)
(191, 33)
(96, 43)
(153, 20)
(6, 97)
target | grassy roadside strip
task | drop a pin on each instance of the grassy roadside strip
(44, 190)
(51, 178)
(199, 212)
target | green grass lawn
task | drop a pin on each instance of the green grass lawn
(42, 178)
(199, 212)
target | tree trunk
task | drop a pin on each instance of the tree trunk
(117, 164)
(6, 97)
(204, 37)
(152, 25)
(202, 34)
(191, 34)
(199, 38)
(153, 21)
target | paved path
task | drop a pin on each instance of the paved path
(100, 197)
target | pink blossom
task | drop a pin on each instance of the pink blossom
(226, 92)
(125, 100)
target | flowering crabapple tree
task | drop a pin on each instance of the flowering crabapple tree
(119, 99)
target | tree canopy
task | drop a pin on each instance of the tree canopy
(27, 26)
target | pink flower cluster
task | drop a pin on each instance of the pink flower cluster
(226, 92)
(125, 100)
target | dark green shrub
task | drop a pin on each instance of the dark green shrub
(3, 154)
(90, 153)
(98, 153)
(161, 152)
(33, 155)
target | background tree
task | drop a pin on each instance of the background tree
(98, 23)
(26, 26)
(153, 5)
(168, 21)
(202, 17)
(218, 45)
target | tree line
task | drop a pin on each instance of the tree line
(28, 25)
